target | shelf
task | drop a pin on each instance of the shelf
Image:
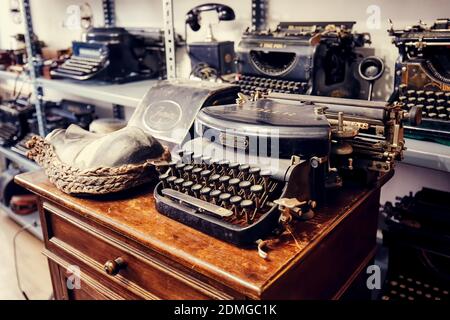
(25, 220)
(127, 94)
(8, 75)
(427, 154)
(23, 162)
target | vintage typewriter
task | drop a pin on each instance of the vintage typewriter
(58, 115)
(114, 55)
(259, 163)
(416, 231)
(316, 58)
(422, 78)
(13, 120)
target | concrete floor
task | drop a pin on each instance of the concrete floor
(32, 265)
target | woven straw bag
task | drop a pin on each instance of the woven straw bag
(95, 181)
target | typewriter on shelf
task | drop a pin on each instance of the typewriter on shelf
(416, 231)
(57, 115)
(257, 164)
(318, 58)
(115, 55)
(422, 78)
(14, 117)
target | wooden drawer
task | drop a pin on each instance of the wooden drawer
(143, 275)
(87, 288)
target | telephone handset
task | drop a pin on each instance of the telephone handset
(225, 13)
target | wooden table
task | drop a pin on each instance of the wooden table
(164, 259)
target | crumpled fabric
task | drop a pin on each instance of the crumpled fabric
(82, 149)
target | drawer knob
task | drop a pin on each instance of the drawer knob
(112, 267)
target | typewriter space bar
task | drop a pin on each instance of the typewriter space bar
(203, 206)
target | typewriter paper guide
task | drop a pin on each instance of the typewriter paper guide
(168, 110)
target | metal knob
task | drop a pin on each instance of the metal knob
(112, 267)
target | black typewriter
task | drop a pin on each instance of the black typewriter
(257, 164)
(422, 78)
(417, 233)
(114, 55)
(57, 115)
(14, 117)
(316, 58)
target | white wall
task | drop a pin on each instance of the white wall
(49, 15)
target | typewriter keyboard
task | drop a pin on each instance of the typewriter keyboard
(435, 104)
(250, 84)
(235, 193)
(77, 67)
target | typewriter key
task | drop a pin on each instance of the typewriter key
(245, 186)
(224, 164)
(170, 181)
(439, 95)
(402, 99)
(204, 193)
(162, 178)
(172, 166)
(223, 180)
(196, 189)
(180, 168)
(224, 199)
(205, 174)
(429, 94)
(420, 93)
(431, 101)
(214, 195)
(247, 206)
(196, 173)
(257, 190)
(178, 182)
(188, 169)
(254, 173)
(244, 168)
(411, 93)
(233, 183)
(235, 201)
(186, 186)
(234, 169)
(214, 180)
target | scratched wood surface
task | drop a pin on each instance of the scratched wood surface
(133, 214)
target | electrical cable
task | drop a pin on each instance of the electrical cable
(19, 284)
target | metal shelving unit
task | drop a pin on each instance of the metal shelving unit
(427, 154)
(127, 94)
(24, 163)
(32, 220)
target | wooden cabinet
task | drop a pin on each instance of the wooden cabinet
(120, 247)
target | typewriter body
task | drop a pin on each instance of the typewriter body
(14, 117)
(422, 78)
(256, 165)
(114, 55)
(316, 58)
